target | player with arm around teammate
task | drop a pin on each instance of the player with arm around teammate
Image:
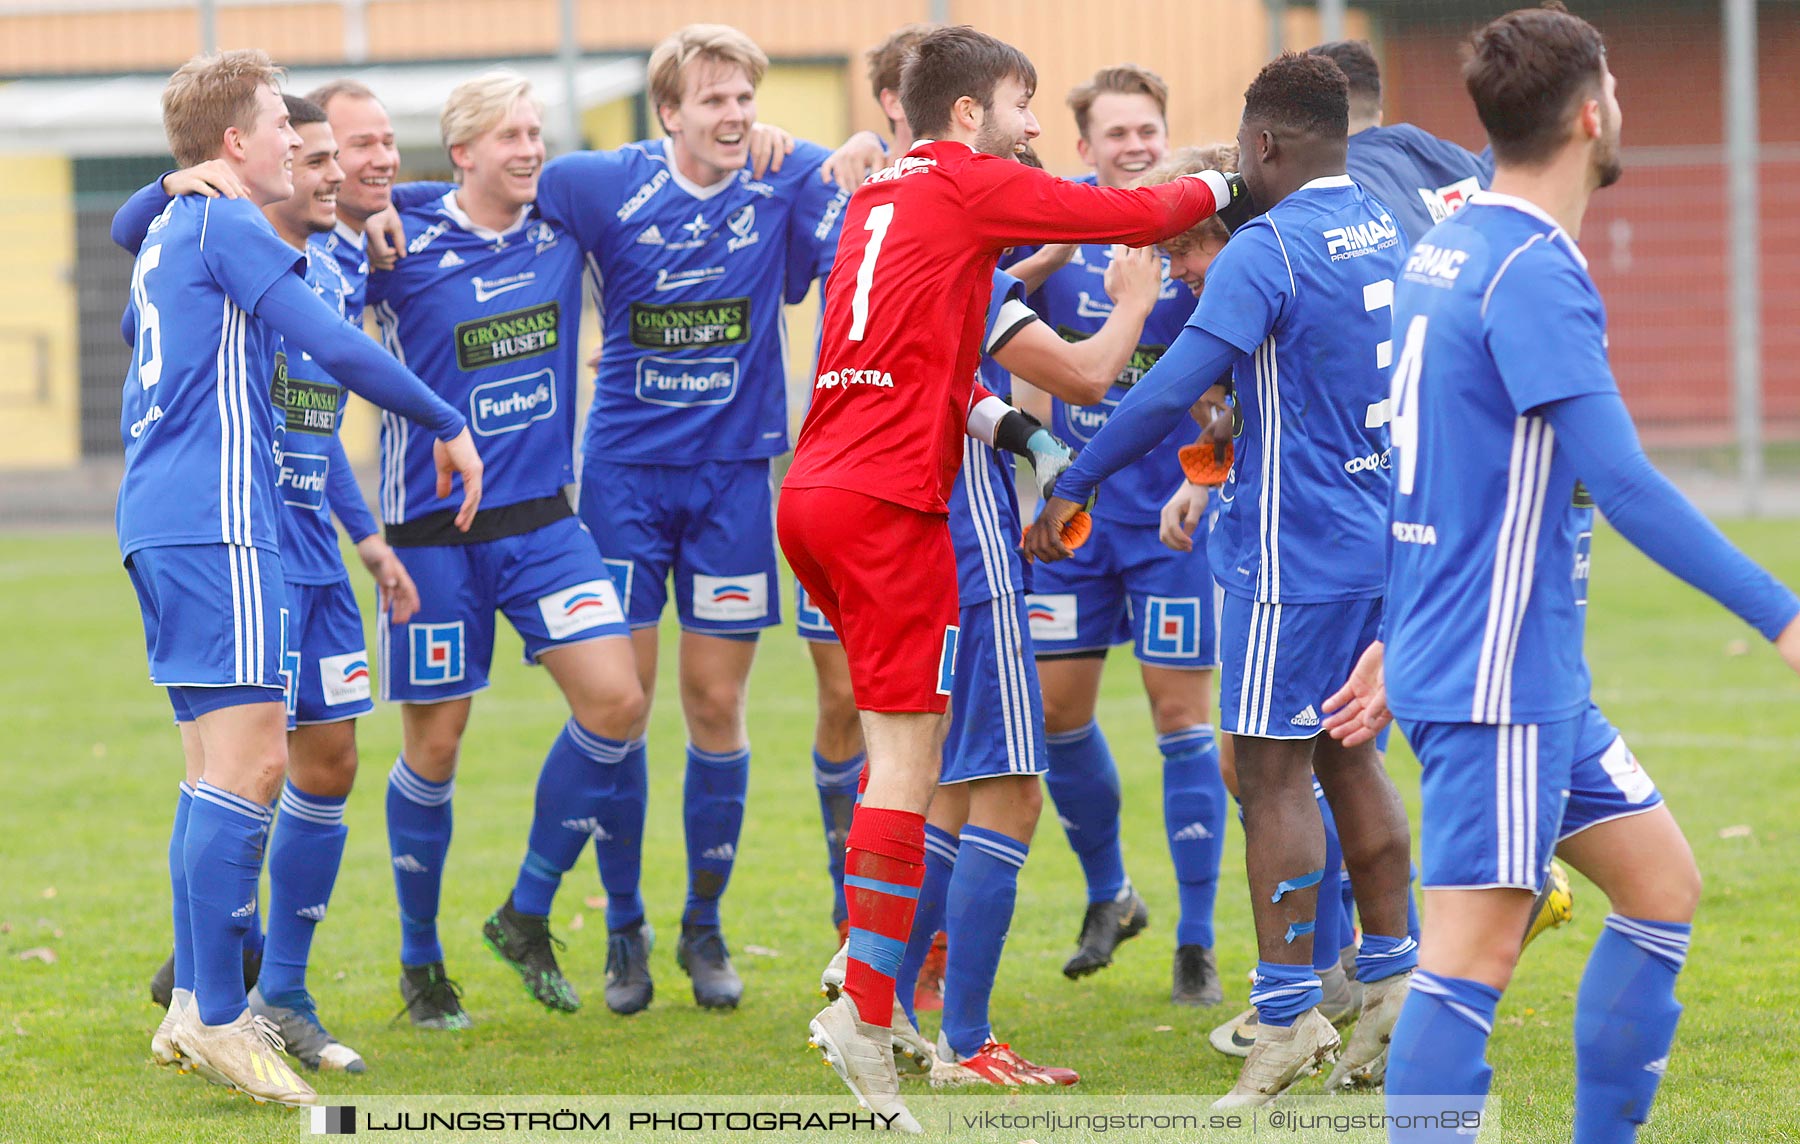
(213, 288)
(485, 306)
(1297, 306)
(1508, 428)
(880, 450)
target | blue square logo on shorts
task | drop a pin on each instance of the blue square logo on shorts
(1172, 626)
(437, 653)
(947, 661)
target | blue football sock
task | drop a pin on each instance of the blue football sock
(928, 916)
(574, 782)
(306, 847)
(1084, 785)
(713, 809)
(837, 799)
(1380, 957)
(184, 934)
(1437, 1054)
(1194, 819)
(419, 822)
(223, 855)
(1331, 928)
(978, 914)
(619, 843)
(1282, 992)
(1625, 1017)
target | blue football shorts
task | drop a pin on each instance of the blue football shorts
(996, 706)
(550, 582)
(1496, 799)
(712, 525)
(1279, 662)
(215, 620)
(1125, 586)
(327, 662)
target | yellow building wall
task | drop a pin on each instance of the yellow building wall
(39, 395)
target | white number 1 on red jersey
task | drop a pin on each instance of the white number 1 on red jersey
(877, 225)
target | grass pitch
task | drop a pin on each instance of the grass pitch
(91, 764)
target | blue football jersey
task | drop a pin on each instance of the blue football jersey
(350, 249)
(1422, 179)
(1496, 316)
(202, 447)
(488, 320)
(1306, 292)
(1075, 304)
(691, 282)
(984, 504)
(311, 413)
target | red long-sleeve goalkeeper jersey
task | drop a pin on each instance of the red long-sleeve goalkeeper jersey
(907, 298)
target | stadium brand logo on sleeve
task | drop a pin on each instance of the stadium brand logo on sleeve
(742, 225)
(1172, 626)
(589, 604)
(1583, 567)
(1345, 242)
(1374, 462)
(487, 289)
(345, 678)
(731, 597)
(302, 479)
(682, 279)
(437, 653)
(642, 195)
(512, 336)
(693, 381)
(1087, 420)
(832, 379)
(511, 405)
(1409, 532)
(834, 210)
(947, 660)
(1443, 202)
(311, 406)
(649, 236)
(148, 419)
(1435, 265)
(1052, 615)
(717, 322)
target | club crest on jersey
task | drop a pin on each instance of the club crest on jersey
(344, 678)
(512, 336)
(302, 479)
(1052, 615)
(437, 653)
(511, 405)
(731, 597)
(716, 322)
(591, 604)
(742, 225)
(1172, 626)
(541, 236)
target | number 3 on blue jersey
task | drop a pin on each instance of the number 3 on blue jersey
(877, 226)
(1403, 427)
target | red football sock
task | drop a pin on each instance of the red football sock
(884, 863)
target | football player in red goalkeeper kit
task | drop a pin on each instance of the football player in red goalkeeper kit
(863, 514)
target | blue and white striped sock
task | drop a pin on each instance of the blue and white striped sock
(222, 853)
(1625, 1019)
(419, 823)
(573, 785)
(978, 915)
(306, 848)
(717, 785)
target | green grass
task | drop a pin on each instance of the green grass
(91, 763)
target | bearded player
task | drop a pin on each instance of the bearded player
(881, 447)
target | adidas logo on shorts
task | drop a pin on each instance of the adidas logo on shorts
(1306, 718)
(1192, 832)
(407, 864)
(724, 853)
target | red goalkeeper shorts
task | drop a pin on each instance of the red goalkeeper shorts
(885, 577)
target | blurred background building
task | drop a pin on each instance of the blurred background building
(1696, 252)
